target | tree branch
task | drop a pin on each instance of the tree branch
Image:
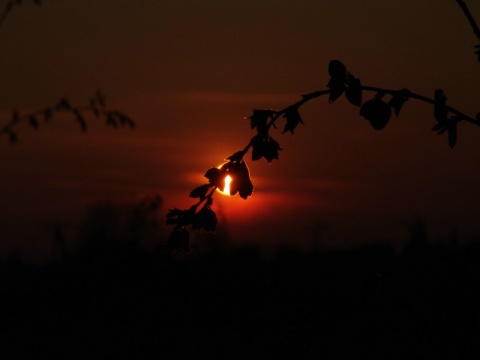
(341, 83)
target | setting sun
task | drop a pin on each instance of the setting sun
(226, 187)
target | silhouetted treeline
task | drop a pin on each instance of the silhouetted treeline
(127, 302)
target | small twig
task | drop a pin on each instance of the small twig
(473, 24)
(9, 6)
(471, 20)
(6, 11)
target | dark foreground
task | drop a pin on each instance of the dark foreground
(123, 302)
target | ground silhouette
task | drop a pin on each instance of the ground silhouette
(122, 300)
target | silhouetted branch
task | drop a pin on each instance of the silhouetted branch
(310, 96)
(9, 6)
(376, 111)
(472, 22)
(96, 107)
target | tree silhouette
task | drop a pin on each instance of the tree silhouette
(377, 110)
(97, 105)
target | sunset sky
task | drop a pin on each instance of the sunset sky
(189, 72)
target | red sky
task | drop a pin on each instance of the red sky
(189, 72)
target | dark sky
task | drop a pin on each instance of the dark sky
(189, 72)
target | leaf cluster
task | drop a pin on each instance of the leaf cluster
(263, 144)
(376, 110)
(200, 216)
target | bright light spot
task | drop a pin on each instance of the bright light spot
(226, 187)
(228, 180)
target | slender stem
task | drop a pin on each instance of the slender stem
(8, 8)
(245, 150)
(202, 200)
(209, 195)
(6, 11)
(471, 20)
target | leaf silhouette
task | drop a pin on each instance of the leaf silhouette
(126, 120)
(200, 191)
(259, 119)
(214, 176)
(32, 120)
(111, 120)
(449, 126)
(337, 72)
(398, 99)
(271, 149)
(336, 69)
(265, 146)
(337, 87)
(180, 217)
(81, 121)
(377, 112)
(241, 182)
(257, 147)
(100, 99)
(353, 92)
(173, 215)
(63, 104)
(205, 219)
(293, 118)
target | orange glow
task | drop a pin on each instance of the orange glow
(226, 187)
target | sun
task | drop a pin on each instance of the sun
(226, 186)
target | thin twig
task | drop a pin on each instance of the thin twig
(6, 11)
(9, 6)
(471, 20)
